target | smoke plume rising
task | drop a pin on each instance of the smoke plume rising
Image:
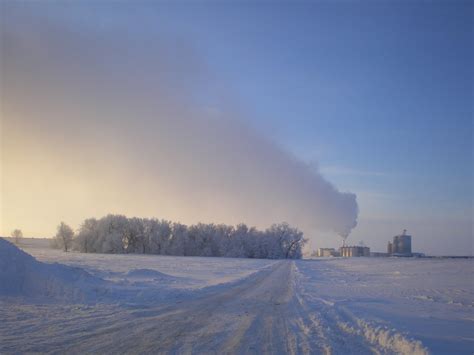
(118, 121)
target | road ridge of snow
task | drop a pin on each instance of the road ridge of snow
(378, 338)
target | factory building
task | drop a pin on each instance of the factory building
(401, 245)
(349, 251)
(327, 252)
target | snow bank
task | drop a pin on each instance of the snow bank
(21, 275)
(388, 339)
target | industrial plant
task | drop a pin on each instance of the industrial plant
(350, 251)
(345, 251)
(399, 246)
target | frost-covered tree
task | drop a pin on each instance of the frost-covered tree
(113, 234)
(158, 236)
(87, 236)
(119, 234)
(178, 239)
(224, 243)
(17, 236)
(253, 243)
(233, 243)
(286, 242)
(134, 233)
(64, 236)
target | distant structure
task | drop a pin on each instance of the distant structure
(344, 238)
(349, 251)
(327, 252)
(401, 245)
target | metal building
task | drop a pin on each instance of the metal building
(401, 244)
(327, 252)
(349, 251)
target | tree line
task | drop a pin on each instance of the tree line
(118, 234)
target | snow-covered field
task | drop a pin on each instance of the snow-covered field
(137, 303)
(382, 299)
(180, 272)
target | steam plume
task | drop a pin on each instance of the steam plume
(109, 121)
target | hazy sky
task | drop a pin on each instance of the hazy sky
(123, 108)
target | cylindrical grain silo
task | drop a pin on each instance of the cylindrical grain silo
(404, 243)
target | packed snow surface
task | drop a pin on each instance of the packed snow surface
(150, 304)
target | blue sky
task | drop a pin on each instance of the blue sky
(377, 95)
(383, 90)
(366, 88)
(380, 94)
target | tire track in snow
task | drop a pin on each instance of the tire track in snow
(266, 313)
(260, 315)
(269, 312)
(350, 334)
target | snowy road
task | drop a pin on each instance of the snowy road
(253, 316)
(164, 304)
(266, 312)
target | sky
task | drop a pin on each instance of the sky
(375, 99)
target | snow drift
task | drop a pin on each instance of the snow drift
(21, 275)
